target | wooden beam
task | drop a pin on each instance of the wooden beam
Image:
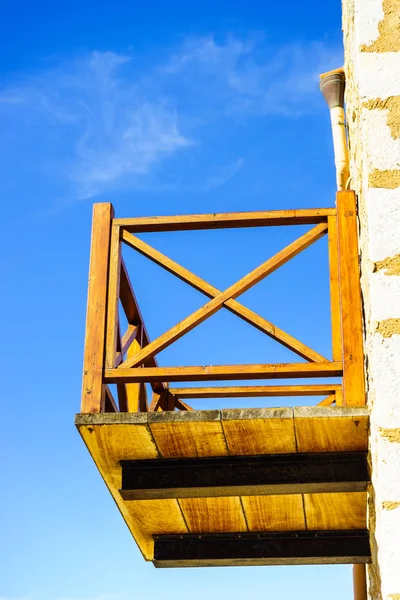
(333, 251)
(95, 336)
(233, 306)
(256, 391)
(226, 372)
(108, 403)
(180, 405)
(127, 339)
(327, 401)
(271, 548)
(134, 316)
(244, 475)
(121, 387)
(233, 291)
(350, 294)
(113, 297)
(269, 218)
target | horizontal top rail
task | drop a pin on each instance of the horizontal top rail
(266, 218)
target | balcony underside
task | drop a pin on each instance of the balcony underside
(260, 507)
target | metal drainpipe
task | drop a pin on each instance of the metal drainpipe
(359, 582)
(332, 87)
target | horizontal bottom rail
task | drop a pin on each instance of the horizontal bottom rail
(224, 372)
(244, 475)
(272, 548)
(256, 391)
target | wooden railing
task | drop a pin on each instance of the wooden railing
(129, 359)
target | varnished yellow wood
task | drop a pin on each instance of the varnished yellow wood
(339, 398)
(256, 391)
(350, 297)
(213, 515)
(334, 289)
(225, 372)
(270, 218)
(320, 433)
(336, 511)
(113, 297)
(133, 389)
(274, 513)
(189, 439)
(233, 291)
(232, 305)
(327, 401)
(273, 434)
(126, 436)
(93, 361)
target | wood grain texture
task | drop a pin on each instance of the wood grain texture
(93, 361)
(350, 297)
(224, 372)
(330, 433)
(232, 305)
(336, 511)
(113, 297)
(256, 391)
(270, 431)
(180, 439)
(233, 291)
(274, 513)
(209, 515)
(333, 252)
(108, 444)
(227, 220)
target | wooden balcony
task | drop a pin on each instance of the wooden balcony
(179, 474)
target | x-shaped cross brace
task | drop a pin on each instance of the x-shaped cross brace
(226, 298)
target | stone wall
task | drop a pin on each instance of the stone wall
(372, 64)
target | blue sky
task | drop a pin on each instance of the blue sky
(161, 108)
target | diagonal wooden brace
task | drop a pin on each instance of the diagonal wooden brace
(232, 292)
(233, 306)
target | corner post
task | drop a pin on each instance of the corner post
(95, 336)
(350, 300)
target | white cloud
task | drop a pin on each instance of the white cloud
(109, 123)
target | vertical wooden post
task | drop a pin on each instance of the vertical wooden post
(93, 361)
(334, 289)
(113, 297)
(350, 300)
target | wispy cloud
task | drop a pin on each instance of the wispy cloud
(104, 123)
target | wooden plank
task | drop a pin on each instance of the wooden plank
(274, 513)
(232, 305)
(188, 434)
(270, 218)
(133, 390)
(109, 439)
(328, 401)
(108, 403)
(259, 431)
(244, 476)
(256, 391)
(350, 296)
(127, 339)
(248, 548)
(180, 405)
(336, 511)
(233, 291)
(113, 297)
(225, 372)
(333, 251)
(95, 336)
(121, 387)
(205, 515)
(134, 317)
(333, 428)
